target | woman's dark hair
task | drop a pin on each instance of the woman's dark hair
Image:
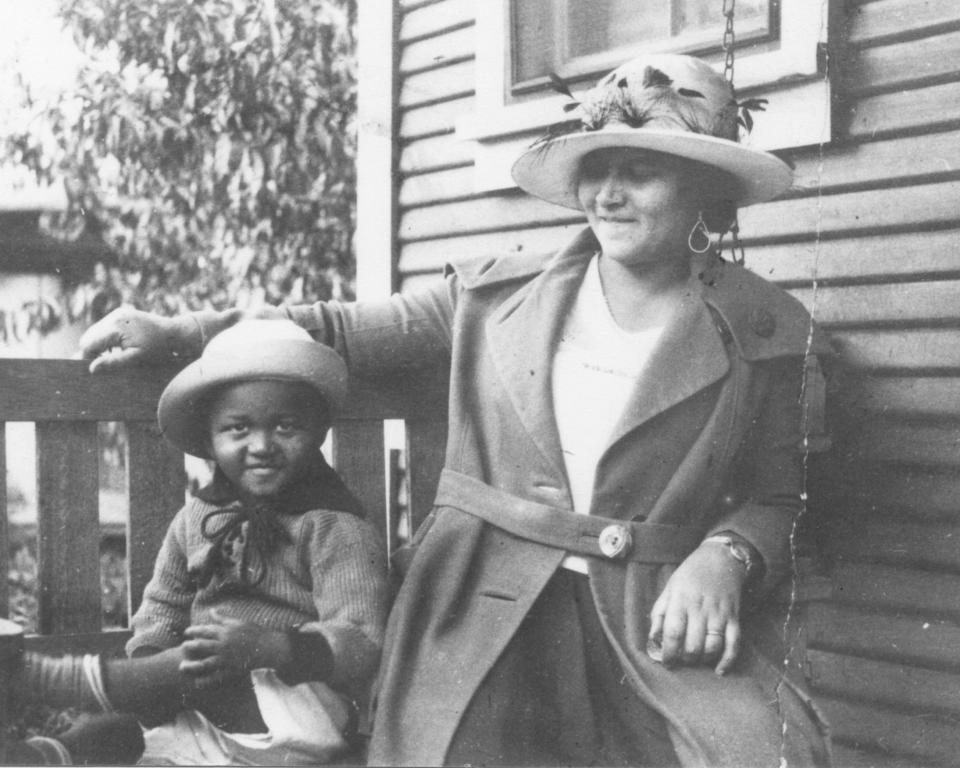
(719, 191)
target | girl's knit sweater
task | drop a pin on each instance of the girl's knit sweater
(323, 572)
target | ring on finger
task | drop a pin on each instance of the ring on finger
(714, 633)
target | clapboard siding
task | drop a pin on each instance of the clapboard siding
(911, 738)
(903, 65)
(432, 19)
(900, 257)
(439, 84)
(437, 186)
(914, 111)
(434, 119)
(869, 239)
(433, 154)
(427, 257)
(889, 587)
(897, 161)
(928, 643)
(451, 48)
(888, 304)
(891, 21)
(920, 351)
(898, 491)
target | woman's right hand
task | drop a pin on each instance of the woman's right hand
(128, 337)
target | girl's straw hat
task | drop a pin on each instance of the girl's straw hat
(665, 103)
(251, 350)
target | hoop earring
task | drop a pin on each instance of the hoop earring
(699, 229)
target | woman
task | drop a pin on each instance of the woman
(624, 460)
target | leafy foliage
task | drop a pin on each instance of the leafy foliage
(211, 144)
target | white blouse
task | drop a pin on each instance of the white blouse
(594, 371)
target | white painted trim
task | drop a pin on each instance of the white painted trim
(375, 237)
(799, 94)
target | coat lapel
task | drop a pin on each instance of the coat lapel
(689, 357)
(522, 335)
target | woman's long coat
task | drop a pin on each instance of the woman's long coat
(713, 437)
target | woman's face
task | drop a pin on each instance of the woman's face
(640, 204)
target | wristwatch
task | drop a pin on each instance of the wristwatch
(739, 550)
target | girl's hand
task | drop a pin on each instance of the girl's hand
(229, 648)
(696, 618)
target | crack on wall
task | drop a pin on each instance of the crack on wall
(790, 638)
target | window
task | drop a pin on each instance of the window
(585, 37)
(780, 56)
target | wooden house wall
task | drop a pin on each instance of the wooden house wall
(869, 239)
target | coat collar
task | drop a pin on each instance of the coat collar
(524, 331)
(689, 357)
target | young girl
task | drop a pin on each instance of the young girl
(262, 625)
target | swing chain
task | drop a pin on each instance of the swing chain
(729, 43)
(729, 40)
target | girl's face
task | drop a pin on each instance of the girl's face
(641, 205)
(265, 434)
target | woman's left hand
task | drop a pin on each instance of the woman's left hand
(696, 619)
(228, 647)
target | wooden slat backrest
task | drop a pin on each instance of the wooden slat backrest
(66, 402)
(156, 482)
(68, 541)
(425, 441)
(358, 455)
(4, 528)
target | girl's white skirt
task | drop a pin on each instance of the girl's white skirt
(305, 726)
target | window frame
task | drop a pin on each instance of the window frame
(592, 66)
(794, 77)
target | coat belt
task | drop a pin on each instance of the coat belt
(590, 535)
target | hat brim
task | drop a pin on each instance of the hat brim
(550, 170)
(304, 362)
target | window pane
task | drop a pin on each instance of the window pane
(594, 26)
(533, 38)
(548, 34)
(707, 16)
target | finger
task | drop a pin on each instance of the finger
(656, 618)
(713, 643)
(106, 333)
(222, 619)
(115, 358)
(674, 633)
(98, 339)
(695, 637)
(201, 667)
(200, 649)
(210, 631)
(731, 647)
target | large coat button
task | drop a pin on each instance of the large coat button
(762, 322)
(615, 541)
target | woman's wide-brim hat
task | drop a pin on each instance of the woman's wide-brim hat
(677, 105)
(251, 350)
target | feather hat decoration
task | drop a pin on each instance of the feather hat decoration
(664, 103)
